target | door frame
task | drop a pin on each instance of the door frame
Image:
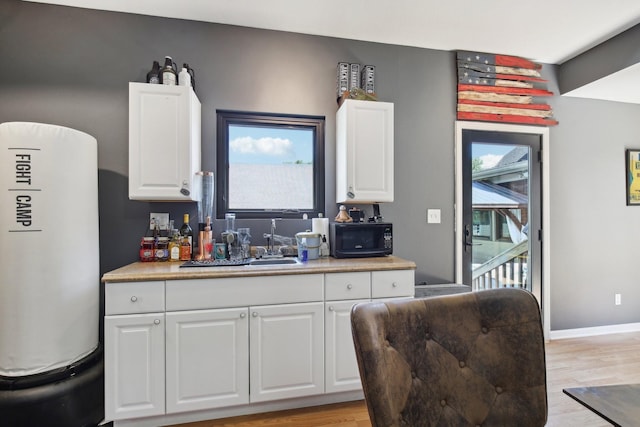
(546, 229)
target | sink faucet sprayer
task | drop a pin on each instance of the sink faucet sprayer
(271, 238)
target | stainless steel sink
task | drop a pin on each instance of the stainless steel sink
(274, 261)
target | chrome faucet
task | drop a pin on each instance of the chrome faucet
(271, 241)
(271, 236)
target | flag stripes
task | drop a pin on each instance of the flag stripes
(501, 88)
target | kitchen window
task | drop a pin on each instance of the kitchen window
(269, 165)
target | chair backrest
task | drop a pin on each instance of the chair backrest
(458, 360)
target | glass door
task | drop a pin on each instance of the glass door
(501, 219)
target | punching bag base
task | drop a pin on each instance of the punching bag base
(75, 401)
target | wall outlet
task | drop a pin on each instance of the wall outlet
(433, 216)
(618, 299)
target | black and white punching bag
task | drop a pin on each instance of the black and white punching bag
(50, 358)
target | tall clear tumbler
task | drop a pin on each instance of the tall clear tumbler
(205, 209)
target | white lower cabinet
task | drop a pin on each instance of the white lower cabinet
(134, 365)
(207, 359)
(286, 351)
(341, 367)
(178, 349)
(342, 292)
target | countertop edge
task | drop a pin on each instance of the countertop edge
(138, 271)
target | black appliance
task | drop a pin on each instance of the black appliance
(359, 240)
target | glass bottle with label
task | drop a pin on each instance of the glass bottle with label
(153, 76)
(187, 231)
(169, 73)
(185, 249)
(174, 246)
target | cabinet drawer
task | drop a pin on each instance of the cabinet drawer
(134, 297)
(343, 286)
(243, 291)
(392, 283)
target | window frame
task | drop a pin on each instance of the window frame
(224, 118)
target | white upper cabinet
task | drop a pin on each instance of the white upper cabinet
(364, 152)
(164, 142)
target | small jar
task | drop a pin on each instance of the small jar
(147, 249)
(162, 249)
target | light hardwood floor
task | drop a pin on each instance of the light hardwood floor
(576, 362)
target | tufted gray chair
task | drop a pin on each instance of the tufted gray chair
(472, 359)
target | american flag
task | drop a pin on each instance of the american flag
(501, 88)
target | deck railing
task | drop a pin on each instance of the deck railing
(507, 269)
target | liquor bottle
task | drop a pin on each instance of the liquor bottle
(187, 231)
(169, 74)
(174, 246)
(185, 249)
(156, 230)
(324, 247)
(153, 76)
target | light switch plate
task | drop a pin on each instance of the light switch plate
(433, 216)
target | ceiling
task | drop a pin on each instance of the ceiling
(547, 31)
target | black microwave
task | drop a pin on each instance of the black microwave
(360, 239)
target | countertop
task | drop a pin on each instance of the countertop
(148, 271)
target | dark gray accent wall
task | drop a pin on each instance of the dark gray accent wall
(71, 67)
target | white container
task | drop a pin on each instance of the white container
(184, 78)
(321, 226)
(49, 287)
(309, 241)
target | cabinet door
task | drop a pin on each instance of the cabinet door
(207, 359)
(364, 152)
(134, 365)
(287, 351)
(164, 142)
(341, 366)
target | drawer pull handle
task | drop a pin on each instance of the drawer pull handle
(330, 308)
(243, 315)
(349, 286)
(134, 298)
(254, 314)
(394, 284)
(156, 322)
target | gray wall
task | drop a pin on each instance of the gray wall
(71, 67)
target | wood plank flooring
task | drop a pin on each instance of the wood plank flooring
(576, 362)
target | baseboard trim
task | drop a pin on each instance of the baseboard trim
(592, 331)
